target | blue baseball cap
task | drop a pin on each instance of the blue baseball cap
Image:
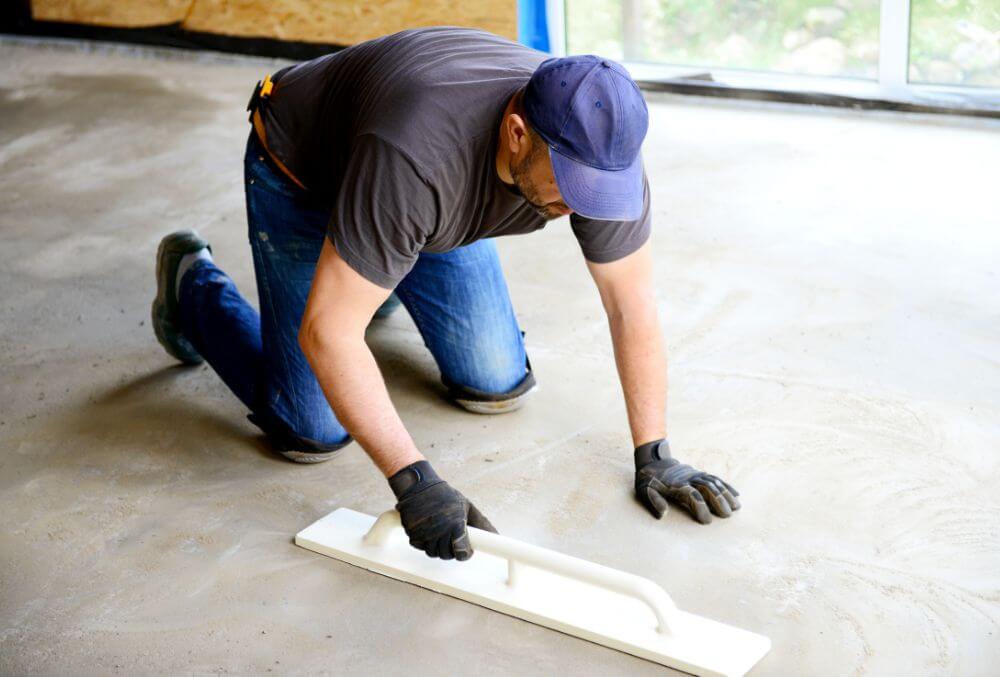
(593, 118)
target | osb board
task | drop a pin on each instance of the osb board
(346, 22)
(118, 13)
(341, 22)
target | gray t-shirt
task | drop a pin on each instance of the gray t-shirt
(397, 136)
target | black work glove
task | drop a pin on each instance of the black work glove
(660, 478)
(433, 514)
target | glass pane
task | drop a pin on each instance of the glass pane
(813, 37)
(955, 42)
(594, 27)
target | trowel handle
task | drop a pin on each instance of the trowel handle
(518, 552)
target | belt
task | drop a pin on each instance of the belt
(259, 98)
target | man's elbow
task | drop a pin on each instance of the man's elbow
(638, 307)
(305, 337)
(312, 335)
(323, 334)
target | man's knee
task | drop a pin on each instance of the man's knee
(486, 402)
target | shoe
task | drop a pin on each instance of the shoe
(293, 447)
(309, 456)
(480, 402)
(166, 323)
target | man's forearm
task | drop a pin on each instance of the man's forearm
(354, 386)
(642, 368)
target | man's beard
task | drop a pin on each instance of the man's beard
(526, 188)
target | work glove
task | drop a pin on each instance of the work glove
(433, 514)
(660, 478)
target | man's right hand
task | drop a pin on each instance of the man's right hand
(434, 515)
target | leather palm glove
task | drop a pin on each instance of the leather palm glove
(434, 515)
(660, 478)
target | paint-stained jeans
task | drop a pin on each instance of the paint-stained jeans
(458, 300)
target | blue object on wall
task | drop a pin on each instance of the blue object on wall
(532, 25)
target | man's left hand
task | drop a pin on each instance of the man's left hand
(660, 478)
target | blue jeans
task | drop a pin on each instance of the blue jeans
(458, 300)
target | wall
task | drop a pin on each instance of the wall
(341, 22)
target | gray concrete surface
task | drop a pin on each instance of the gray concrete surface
(829, 287)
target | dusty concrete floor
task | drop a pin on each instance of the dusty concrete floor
(829, 287)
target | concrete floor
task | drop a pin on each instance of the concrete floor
(830, 291)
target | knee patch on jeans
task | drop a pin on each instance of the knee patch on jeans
(483, 402)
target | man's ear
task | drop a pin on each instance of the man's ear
(517, 134)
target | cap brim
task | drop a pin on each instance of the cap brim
(607, 195)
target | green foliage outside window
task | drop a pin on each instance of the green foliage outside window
(953, 41)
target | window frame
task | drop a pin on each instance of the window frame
(892, 85)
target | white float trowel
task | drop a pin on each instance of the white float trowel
(603, 605)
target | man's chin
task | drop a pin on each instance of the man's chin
(547, 213)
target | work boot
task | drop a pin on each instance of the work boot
(482, 402)
(165, 312)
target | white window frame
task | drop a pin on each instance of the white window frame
(892, 85)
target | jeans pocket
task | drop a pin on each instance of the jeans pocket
(259, 172)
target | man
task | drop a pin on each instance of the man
(388, 166)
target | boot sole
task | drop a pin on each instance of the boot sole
(159, 313)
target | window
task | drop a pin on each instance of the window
(908, 50)
(955, 42)
(809, 37)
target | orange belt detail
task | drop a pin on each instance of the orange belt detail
(258, 125)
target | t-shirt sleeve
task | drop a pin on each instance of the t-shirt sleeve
(383, 214)
(606, 241)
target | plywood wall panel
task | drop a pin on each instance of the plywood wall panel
(118, 13)
(341, 22)
(345, 22)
